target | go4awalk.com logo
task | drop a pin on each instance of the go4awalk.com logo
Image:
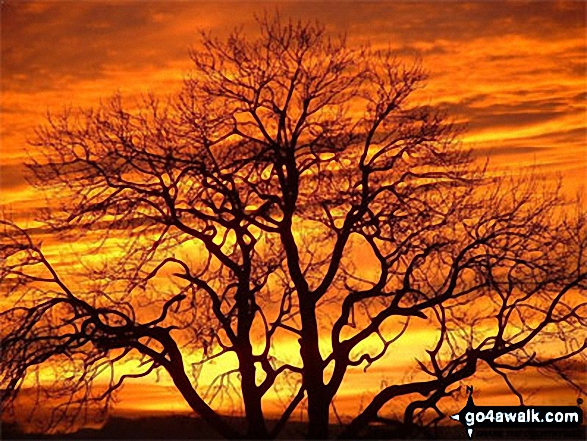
(473, 416)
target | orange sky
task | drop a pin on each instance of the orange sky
(515, 73)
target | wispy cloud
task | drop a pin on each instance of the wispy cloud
(512, 72)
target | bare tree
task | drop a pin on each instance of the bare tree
(242, 203)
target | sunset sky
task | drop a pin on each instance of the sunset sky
(514, 73)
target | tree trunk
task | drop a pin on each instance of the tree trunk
(318, 407)
(256, 427)
(318, 397)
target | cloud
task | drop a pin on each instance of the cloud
(12, 177)
(45, 50)
(44, 43)
(501, 68)
(513, 71)
(507, 150)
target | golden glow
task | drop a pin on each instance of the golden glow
(513, 72)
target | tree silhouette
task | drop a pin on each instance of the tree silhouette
(249, 206)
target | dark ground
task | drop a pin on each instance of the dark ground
(186, 427)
